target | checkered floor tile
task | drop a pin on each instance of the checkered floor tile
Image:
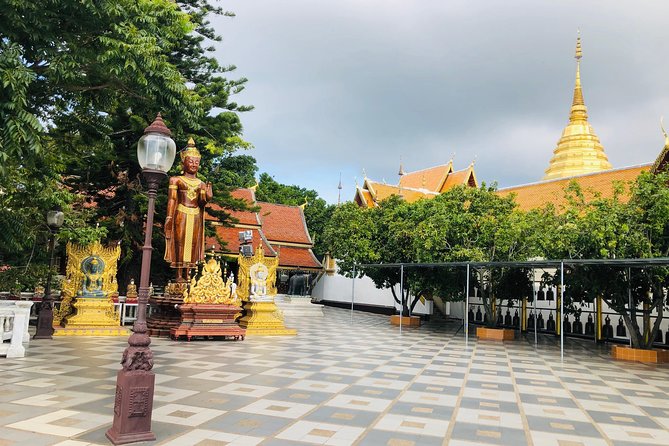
(343, 381)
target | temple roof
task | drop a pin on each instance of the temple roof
(431, 178)
(413, 186)
(536, 195)
(300, 258)
(276, 225)
(283, 223)
(663, 158)
(578, 151)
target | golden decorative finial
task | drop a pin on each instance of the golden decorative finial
(664, 132)
(303, 205)
(401, 172)
(452, 158)
(190, 150)
(364, 173)
(255, 186)
(577, 113)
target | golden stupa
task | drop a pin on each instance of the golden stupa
(578, 151)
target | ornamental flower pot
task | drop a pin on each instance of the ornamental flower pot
(495, 334)
(626, 353)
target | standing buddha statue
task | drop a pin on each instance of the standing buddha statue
(184, 225)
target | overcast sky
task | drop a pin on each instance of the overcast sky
(346, 85)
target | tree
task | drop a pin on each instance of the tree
(316, 212)
(475, 224)
(610, 228)
(81, 80)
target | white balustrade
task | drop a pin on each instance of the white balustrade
(14, 318)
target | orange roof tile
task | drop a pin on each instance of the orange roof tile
(231, 237)
(364, 197)
(294, 257)
(282, 223)
(382, 191)
(460, 177)
(431, 178)
(243, 217)
(535, 195)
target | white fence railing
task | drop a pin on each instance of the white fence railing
(14, 317)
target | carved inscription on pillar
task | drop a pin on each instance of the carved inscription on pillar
(117, 400)
(139, 402)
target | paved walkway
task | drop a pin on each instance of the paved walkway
(341, 382)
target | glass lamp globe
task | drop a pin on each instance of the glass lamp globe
(55, 218)
(156, 150)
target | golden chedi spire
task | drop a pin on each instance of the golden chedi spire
(578, 151)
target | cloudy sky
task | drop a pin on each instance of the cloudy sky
(346, 85)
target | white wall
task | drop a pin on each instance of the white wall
(338, 288)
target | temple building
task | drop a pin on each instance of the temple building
(579, 156)
(413, 186)
(281, 229)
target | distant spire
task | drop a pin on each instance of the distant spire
(401, 173)
(364, 173)
(664, 132)
(339, 186)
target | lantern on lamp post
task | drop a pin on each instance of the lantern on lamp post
(133, 404)
(54, 219)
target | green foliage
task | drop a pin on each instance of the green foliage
(81, 79)
(16, 280)
(610, 228)
(317, 212)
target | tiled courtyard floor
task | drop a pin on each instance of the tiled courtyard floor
(342, 381)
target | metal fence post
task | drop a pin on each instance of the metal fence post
(561, 309)
(352, 292)
(467, 308)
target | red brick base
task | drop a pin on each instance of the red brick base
(636, 354)
(407, 321)
(495, 334)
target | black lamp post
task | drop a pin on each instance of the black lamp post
(133, 405)
(55, 219)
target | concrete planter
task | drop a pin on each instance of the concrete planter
(626, 353)
(495, 334)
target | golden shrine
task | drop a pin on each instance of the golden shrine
(87, 306)
(578, 151)
(257, 288)
(210, 307)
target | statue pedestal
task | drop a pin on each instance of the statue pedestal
(264, 318)
(208, 320)
(93, 317)
(164, 314)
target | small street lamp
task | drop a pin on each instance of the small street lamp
(135, 382)
(54, 219)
